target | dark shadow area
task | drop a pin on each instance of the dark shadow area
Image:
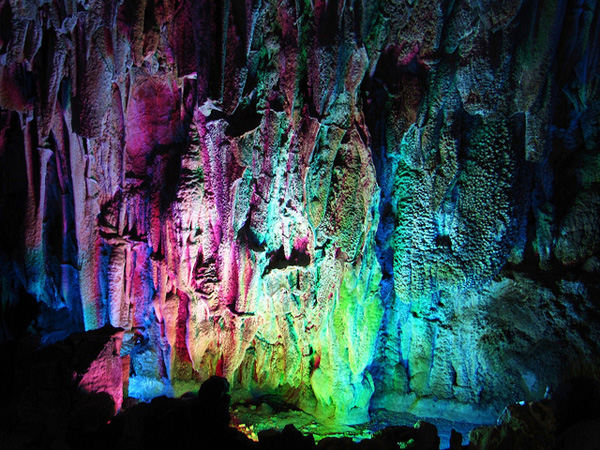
(278, 260)
(42, 404)
(244, 119)
(42, 407)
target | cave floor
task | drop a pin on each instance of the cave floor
(252, 419)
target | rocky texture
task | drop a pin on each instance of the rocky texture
(521, 426)
(568, 420)
(62, 393)
(347, 203)
(49, 401)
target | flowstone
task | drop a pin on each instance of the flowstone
(347, 204)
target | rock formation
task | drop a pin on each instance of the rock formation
(348, 203)
(62, 393)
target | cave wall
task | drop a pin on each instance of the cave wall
(352, 204)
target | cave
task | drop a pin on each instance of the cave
(355, 213)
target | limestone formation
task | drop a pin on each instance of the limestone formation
(348, 203)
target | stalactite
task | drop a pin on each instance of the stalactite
(350, 204)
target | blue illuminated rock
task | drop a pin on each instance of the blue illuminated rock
(347, 204)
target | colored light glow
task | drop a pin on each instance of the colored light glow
(337, 205)
(145, 388)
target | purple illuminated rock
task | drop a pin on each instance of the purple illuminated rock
(349, 204)
(104, 373)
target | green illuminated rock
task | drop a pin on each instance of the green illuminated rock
(346, 204)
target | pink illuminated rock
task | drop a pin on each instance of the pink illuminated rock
(104, 374)
(349, 204)
(153, 112)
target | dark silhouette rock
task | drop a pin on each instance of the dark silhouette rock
(455, 440)
(210, 410)
(289, 438)
(90, 412)
(333, 443)
(423, 436)
(63, 392)
(500, 437)
(524, 425)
